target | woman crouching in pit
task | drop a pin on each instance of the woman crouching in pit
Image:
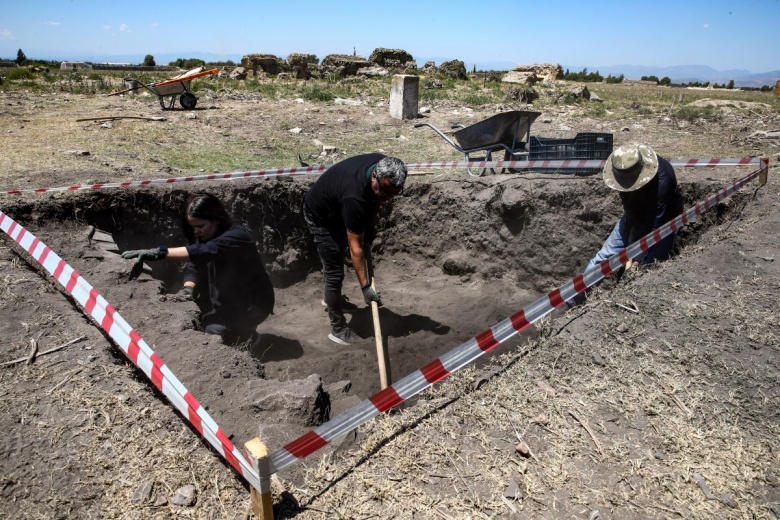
(224, 274)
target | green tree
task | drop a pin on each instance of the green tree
(149, 61)
(20, 57)
(190, 63)
(731, 84)
(666, 80)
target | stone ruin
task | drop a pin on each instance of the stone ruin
(267, 63)
(299, 65)
(455, 69)
(343, 64)
(75, 65)
(532, 74)
(392, 59)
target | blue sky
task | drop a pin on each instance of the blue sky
(723, 34)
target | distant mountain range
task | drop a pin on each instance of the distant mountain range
(688, 74)
(678, 74)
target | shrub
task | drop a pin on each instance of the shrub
(17, 74)
(317, 93)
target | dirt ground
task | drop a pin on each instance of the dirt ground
(660, 391)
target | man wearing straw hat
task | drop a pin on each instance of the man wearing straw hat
(650, 197)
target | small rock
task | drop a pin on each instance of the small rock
(347, 102)
(547, 389)
(659, 455)
(523, 449)
(143, 492)
(296, 130)
(726, 499)
(185, 496)
(541, 419)
(513, 491)
(191, 116)
(107, 125)
(425, 110)
(225, 374)
(598, 360)
(622, 328)
(161, 501)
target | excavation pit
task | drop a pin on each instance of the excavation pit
(453, 256)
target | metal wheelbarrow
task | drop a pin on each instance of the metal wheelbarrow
(508, 131)
(176, 86)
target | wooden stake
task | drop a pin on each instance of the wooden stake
(762, 177)
(262, 501)
(381, 353)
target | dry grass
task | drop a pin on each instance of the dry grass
(707, 346)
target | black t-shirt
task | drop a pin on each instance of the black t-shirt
(654, 204)
(229, 273)
(342, 197)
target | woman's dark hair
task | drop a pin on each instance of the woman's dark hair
(207, 207)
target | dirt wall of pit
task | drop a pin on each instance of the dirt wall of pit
(453, 257)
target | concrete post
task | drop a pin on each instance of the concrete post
(404, 96)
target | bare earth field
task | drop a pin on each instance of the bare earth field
(657, 399)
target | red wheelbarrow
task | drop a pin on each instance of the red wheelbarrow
(508, 131)
(176, 86)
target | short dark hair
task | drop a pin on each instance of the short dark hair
(207, 207)
(392, 168)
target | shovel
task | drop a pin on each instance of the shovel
(381, 353)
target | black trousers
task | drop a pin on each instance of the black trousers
(331, 251)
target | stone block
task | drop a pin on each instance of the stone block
(404, 96)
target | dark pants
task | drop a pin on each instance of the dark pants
(237, 330)
(331, 251)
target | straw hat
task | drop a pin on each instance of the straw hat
(630, 167)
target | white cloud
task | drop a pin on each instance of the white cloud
(706, 26)
(105, 27)
(5, 34)
(54, 24)
(123, 28)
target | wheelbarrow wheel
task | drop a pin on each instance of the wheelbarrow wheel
(188, 101)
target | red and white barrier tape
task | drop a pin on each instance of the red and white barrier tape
(161, 376)
(472, 349)
(316, 170)
(131, 344)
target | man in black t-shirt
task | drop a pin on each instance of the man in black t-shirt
(339, 209)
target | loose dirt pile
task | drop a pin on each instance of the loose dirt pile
(663, 380)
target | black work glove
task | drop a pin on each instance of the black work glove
(184, 294)
(135, 272)
(146, 254)
(370, 295)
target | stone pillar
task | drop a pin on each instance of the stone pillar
(404, 96)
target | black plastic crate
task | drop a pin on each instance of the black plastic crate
(584, 146)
